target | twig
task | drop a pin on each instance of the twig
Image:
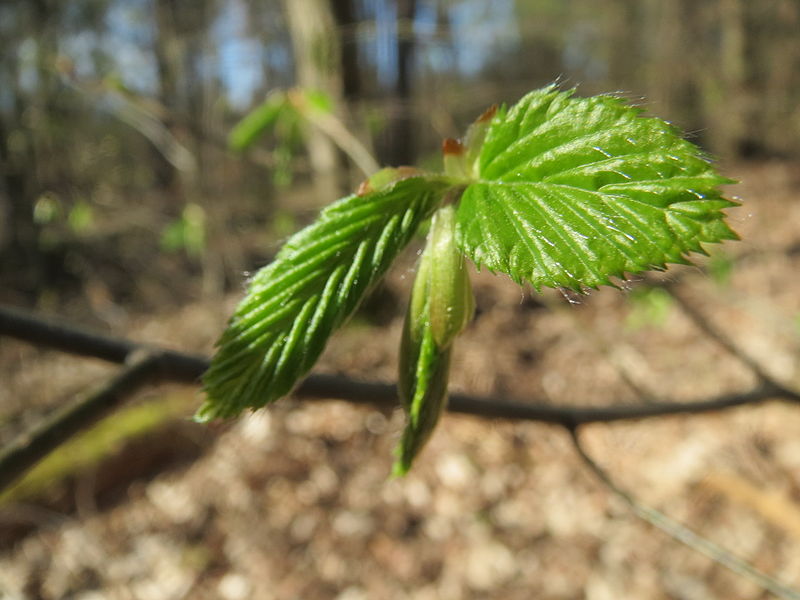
(148, 115)
(704, 325)
(186, 368)
(142, 119)
(22, 325)
(177, 367)
(30, 447)
(340, 135)
(683, 534)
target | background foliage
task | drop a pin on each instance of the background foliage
(113, 114)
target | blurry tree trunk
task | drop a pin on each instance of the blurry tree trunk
(732, 101)
(779, 98)
(620, 19)
(401, 129)
(28, 165)
(183, 49)
(346, 21)
(317, 59)
(662, 40)
(169, 50)
(673, 40)
(19, 237)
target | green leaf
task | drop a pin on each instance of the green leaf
(257, 121)
(187, 233)
(81, 217)
(720, 267)
(441, 306)
(318, 100)
(571, 191)
(427, 369)
(451, 301)
(650, 307)
(314, 284)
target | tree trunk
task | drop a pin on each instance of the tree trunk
(169, 50)
(346, 21)
(401, 129)
(733, 72)
(317, 59)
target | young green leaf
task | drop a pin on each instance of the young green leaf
(424, 371)
(570, 191)
(260, 119)
(314, 284)
(441, 306)
(451, 303)
(428, 370)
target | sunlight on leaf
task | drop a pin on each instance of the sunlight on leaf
(257, 122)
(441, 306)
(572, 191)
(315, 283)
(650, 307)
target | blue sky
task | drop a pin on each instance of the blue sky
(242, 61)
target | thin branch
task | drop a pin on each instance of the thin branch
(186, 368)
(148, 115)
(177, 366)
(141, 118)
(704, 325)
(30, 447)
(171, 366)
(338, 133)
(683, 534)
(347, 142)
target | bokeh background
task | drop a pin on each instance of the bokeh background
(124, 210)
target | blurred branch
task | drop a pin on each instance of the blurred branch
(179, 367)
(141, 118)
(30, 447)
(154, 130)
(338, 133)
(683, 534)
(148, 115)
(718, 336)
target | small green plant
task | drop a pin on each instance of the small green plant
(187, 233)
(650, 307)
(555, 191)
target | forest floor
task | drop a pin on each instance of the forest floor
(296, 501)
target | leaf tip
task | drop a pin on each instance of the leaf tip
(488, 114)
(400, 468)
(206, 413)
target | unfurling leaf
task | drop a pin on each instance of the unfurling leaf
(441, 306)
(314, 284)
(451, 300)
(571, 191)
(557, 191)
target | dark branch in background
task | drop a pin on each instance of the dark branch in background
(29, 448)
(718, 336)
(177, 367)
(22, 325)
(683, 534)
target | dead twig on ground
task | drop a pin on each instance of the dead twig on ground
(30, 447)
(683, 534)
